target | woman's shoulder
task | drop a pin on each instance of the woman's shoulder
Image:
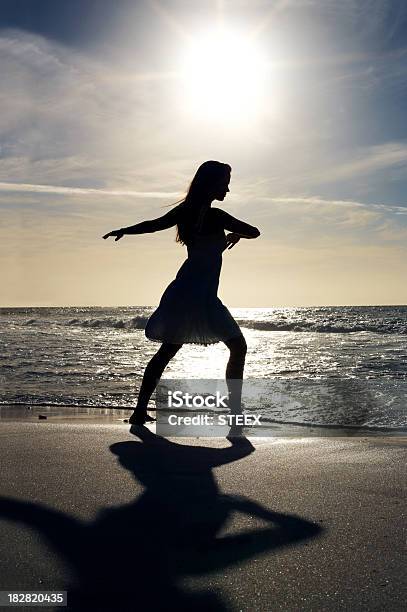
(217, 213)
(213, 220)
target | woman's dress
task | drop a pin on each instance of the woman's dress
(190, 310)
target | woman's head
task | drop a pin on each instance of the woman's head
(211, 182)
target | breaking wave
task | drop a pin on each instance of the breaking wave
(113, 323)
(139, 322)
(326, 328)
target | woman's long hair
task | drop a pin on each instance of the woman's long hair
(192, 207)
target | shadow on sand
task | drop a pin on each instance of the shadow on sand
(135, 556)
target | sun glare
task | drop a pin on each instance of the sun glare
(223, 75)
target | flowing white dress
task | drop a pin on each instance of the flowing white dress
(190, 310)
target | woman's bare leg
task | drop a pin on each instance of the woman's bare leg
(152, 375)
(234, 371)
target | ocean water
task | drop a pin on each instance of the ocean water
(320, 366)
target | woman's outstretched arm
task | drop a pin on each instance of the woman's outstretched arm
(146, 227)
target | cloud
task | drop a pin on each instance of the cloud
(55, 189)
(68, 118)
(318, 203)
(368, 161)
(315, 222)
(313, 168)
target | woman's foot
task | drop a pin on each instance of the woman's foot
(140, 417)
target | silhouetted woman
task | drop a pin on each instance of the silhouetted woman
(189, 310)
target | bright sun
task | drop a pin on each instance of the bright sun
(224, 76)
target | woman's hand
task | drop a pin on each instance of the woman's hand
(118, 233)
(232, 239)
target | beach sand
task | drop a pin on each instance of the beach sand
(124, 523)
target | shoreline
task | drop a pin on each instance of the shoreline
(10, 413)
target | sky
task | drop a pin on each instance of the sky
(108, 108)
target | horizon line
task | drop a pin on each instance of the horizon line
(245, 307)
